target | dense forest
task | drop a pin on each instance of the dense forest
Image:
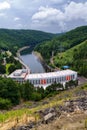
(68, 49)
(62, 42)
(14, 39)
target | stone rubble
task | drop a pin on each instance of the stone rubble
(50, 114)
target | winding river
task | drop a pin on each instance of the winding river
(33, 63)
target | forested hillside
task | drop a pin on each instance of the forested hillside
(13, 39)
(76, 58)
(63, 42)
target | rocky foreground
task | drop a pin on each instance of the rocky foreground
(71, 115)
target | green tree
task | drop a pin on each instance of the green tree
(11, 68)
(5, 104)
(41, 91)
(9, 90)
(36, 96)
(27, 91)
(2, 69)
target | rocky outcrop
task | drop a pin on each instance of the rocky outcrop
(49, 114)
(74, 105)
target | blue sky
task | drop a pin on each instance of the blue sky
(46, 15)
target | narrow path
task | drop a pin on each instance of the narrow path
(82, 80)
(52, 62)
(19, 58)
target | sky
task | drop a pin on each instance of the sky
(53, 16)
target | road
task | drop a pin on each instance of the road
(20, 60)
(82, 80)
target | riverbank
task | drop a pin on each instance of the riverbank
(19, 58)
(46, 67)
(21, 49)
(38, 55)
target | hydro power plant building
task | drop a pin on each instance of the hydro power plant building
(44, 79)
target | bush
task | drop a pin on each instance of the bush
(36, 96)
(5, 104)
(2, 69)
(9, 90)
(71, 84)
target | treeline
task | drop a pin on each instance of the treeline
(12, 93)
(62, 42)
(13, 39)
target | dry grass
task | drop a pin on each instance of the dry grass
(16, 122)
(66, 122)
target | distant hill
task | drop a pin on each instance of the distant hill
(14, 39)
(62, 42)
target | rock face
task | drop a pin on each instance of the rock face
(27, 127)
(49, 114)
(73, 105)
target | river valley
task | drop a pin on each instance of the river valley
(33, 63)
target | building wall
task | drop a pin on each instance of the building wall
(48, 81)
(44, 80)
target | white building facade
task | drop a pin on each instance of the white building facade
(44, 79)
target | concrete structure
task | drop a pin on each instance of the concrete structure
(44, 79)
(19, 75)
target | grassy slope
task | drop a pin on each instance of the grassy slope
(67, 56)
(7, 66)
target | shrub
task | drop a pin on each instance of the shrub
(36, 96)
(5, 104)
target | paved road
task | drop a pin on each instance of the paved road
(82, 80)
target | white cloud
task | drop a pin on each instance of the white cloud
(47, 13)
(72, 11)
(16, 19)
(75, 11)
(4, 5)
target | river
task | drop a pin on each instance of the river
(33, 63)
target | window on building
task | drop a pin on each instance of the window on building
(43, 81)
(38, 81)
(64, 78)
(47, 81)
(34, 81)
